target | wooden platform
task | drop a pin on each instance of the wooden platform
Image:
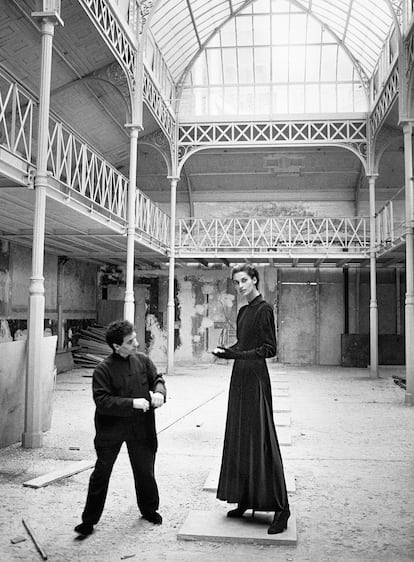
(215, 526)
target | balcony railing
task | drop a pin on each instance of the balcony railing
(81, 172)
(151, 222)
(389, 224)
(16, 119)
(256, 235)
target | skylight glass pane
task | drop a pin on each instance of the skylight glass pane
(280, 100)
(298, 28)
(262, 65)
(280, 6)
(262, 100)
(230, 101)
(313, 58)
(296, 98)
(314, 31)
(328, 63)
(345, 67)
(246, 100)
(214, 66)
(244, 26)
(216, 101)
(261, 6)
(345, 98)
(312, 98)
(280, 64)
(297, 64)
(261, 30)
(328, 97)
(246, 74)
(228, 34)
(230, 66)
(280, 30)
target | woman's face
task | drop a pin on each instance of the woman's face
(245, 285)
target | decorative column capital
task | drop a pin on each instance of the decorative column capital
(134, 126)
(52, 17)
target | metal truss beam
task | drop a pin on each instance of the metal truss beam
(347, 132)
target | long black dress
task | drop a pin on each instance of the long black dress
(251, 470)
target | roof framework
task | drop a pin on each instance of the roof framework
(225, 47)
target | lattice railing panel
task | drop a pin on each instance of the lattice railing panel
(158, 107)
(388, 95)
(16, 120)
(389, 228)
(272, 234)
(73, 163)
(347, 131)
(151, 222)
(104, 19)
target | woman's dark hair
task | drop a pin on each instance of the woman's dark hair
(246, 268)
(116, 331)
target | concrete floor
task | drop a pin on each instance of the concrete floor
(352, 455)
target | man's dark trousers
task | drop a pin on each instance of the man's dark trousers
(142, 457)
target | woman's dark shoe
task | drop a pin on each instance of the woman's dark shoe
(84, 529)
(238, 512)
(279, 523)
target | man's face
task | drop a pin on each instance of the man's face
(128, 346)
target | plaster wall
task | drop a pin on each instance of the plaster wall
(285, 208)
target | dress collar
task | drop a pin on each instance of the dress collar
(256, 300)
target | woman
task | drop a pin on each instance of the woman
(251, 470)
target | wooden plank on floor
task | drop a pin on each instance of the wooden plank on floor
(280, 393)
(282, 405)
(64, 472)
(215, 526)
(282, 419)
(284, 436)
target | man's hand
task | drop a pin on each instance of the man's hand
(157, 399)
(141, 404)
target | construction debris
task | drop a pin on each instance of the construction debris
(92, 347)
(400, 381)
(39, 547)
(68, 470)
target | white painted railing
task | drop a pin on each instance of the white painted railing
(16, 119)
(151, 222)
(272, 234)
(389, 225)
(83, 171)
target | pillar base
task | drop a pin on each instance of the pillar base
(409, 399)
(32, 440)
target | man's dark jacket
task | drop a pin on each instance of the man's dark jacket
(116, 382)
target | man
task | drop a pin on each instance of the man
(126, 390)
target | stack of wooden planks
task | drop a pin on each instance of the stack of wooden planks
(92, 347)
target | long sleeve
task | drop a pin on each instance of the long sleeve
(155, 380)
(266, 340)
(105, 397)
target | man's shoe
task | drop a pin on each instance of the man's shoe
(84, 529)
(153, 517)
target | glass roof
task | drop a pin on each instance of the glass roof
(182, 28)
(271, 57)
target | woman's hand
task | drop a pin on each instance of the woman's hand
(141, 404)
(157, 399)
